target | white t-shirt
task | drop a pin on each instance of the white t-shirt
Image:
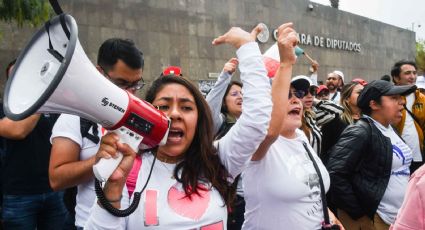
(335, 97)
(282, 191)
(69, 126)
(400, 173)
(163, 206)
(410, 134)
(235, 150)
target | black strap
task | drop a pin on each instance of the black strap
(322, 186)
(411, 114)
(52, 50)
(85, 126)
(334, 96)
(56, 7)
(64, 27)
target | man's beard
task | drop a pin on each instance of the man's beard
(331, 86)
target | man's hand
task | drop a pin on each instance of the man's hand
(237, 37)
(315, 65)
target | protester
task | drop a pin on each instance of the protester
(369, 165)
(350, 113)
(271, 203)
(190, 180)
(309, 126)
(334, 82)
(28, 200)
(76, 140)
(322, 92)
(225, 99)
(411, 127)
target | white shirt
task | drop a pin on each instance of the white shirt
(69, 126)
(400, 173)
(337, 96)
(410, 134)
(235, 150)
(282, 191)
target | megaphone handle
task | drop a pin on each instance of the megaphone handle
(105, 167)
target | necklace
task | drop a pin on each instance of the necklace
(170, 171)
(168, 159)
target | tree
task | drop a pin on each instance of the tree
(335, 3)
(33, 12)
(420, 55)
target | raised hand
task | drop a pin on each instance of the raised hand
(286, 42)
(237, 37)
(231, 65)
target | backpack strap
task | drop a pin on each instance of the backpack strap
(85, 126)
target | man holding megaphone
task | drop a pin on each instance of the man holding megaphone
(75, 141)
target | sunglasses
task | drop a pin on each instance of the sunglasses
(297, 93)
(313, 91)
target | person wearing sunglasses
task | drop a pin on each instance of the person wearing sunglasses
(309, 127)
(281, 183)
(75, 141)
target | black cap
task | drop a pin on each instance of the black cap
(375, 89)
(301, 82)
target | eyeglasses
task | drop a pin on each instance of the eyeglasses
(297, 93)
(235, 93)
(125, 85)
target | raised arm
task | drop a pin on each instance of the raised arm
(313, 76)
(287, 41)
(215, 96)
(238, 145)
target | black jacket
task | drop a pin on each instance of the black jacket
(360, 167)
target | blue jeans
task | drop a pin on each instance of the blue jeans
(41, 211)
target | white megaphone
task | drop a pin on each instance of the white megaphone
(54, 75)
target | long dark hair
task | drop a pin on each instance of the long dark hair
(201, 161)
(224, 109)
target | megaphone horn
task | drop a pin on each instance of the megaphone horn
(54, 75)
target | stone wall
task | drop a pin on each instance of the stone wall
(179, 32)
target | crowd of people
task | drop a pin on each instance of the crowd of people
(259, 153)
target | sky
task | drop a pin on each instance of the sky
(406, 14)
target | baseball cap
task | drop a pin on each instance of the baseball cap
(301, 82)
(420, 82)
(375, 89)
(339, 73)
(322, 88)
(360, 81)
(172, 70)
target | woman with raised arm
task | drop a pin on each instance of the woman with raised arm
(189, 187)
(285, 182)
